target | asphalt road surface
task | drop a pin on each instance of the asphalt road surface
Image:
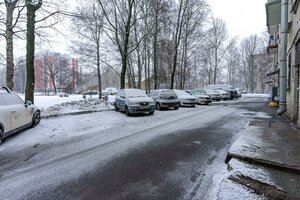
(170, 155)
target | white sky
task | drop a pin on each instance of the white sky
(242, 17)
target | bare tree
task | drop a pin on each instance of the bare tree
(88, 26)
(196, 15)
(232, 64)
(250, 46)
(52, 66)
(10, 24)
(218, 42)
(119, 16)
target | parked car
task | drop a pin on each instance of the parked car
(215, 96)
(133, 101)
(239, 94)
(165, 98)
(224, 95)
(15, 114)
(227, 88)
(202, 98)
(185, 98)
(109, 91)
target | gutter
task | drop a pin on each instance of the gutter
(283, 57)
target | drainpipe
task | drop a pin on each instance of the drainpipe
(282, 56)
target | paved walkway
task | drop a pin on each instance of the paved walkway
(274, 143)
(266, 158)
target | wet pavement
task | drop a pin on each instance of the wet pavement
(267, 156)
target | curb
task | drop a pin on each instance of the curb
(263, 162)
(74, 113)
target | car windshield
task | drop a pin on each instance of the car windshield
(201, 91)
(135, 93)
(181, 92)
(196, 92)
(210, 91)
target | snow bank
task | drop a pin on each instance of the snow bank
(54, 105)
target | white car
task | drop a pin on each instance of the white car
(185, 98)
(165, 98)
(15, 114)
(201, 96)
(224, 95)
(215, 96)
(108, 92)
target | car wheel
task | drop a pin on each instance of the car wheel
(116, 108)
(127, 113)
(151, 113)
(36, 119)
(176, 108)
(1, 136)
(158, 106)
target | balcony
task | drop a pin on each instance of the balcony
(273, 45)
(273, 12)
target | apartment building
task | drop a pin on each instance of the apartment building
(291, 54)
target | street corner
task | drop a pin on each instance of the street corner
(272, 143)
(264, 181)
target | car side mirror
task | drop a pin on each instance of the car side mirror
(28, 103)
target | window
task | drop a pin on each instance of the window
(289, 77)
(2, 102)
(12, 99)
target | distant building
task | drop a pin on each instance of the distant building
(261, 69)
(48, 67)
(53, 70)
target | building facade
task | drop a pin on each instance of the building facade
(273, 11)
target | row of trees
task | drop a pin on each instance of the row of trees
(162, 43)
(150, 44)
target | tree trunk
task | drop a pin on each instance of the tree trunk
(155, 48)
(177, 39)
(126, 44)
(99, 71)
(31, 9)
(10, 7)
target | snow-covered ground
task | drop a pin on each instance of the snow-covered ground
(256, 95)
(53, 105)
(103, 131)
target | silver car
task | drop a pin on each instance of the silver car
(165, 98)
(201, 97)
(133, 101)
(224, 95)
(185, 98)
(213, 94)
(15, 114)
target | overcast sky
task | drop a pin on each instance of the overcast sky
(242, 17)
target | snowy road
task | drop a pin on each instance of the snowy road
(176, 154)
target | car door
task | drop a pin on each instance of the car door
(120, 100)
(19, 113)
(5, 115)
